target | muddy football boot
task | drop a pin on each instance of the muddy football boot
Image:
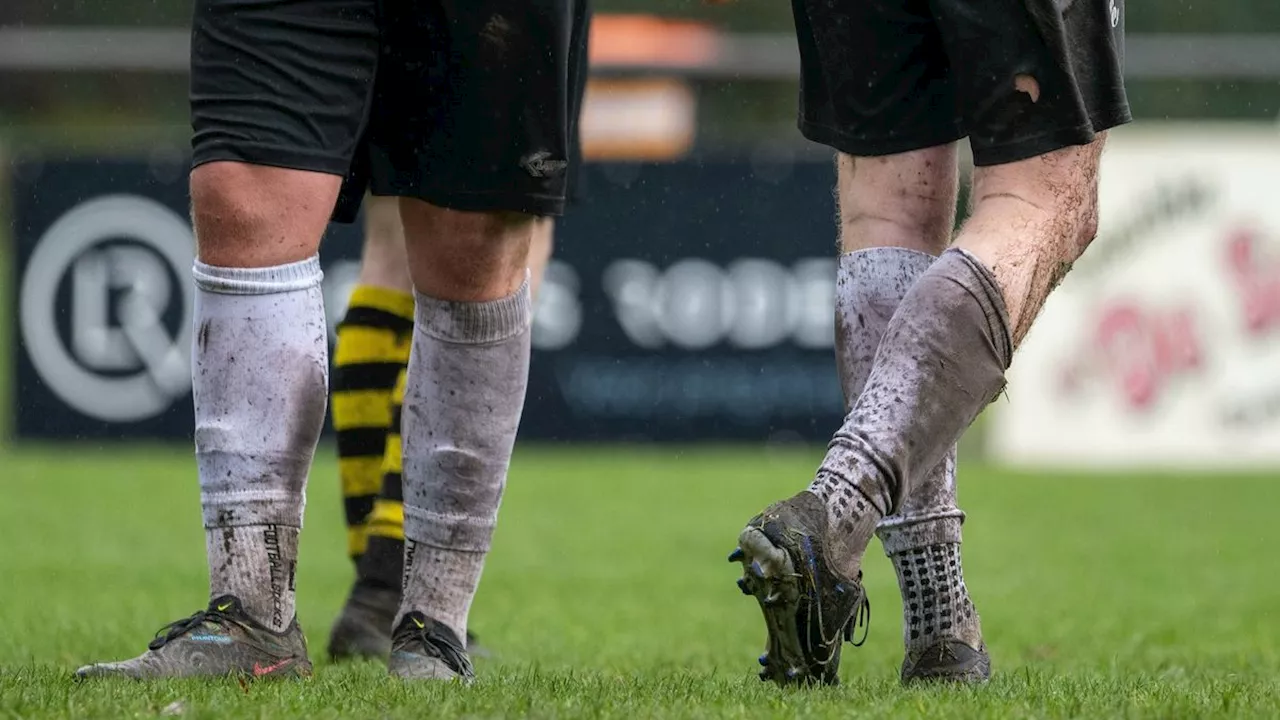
(363, 629)
(809, 610)
(423, 649)
(218, 641)
(948, 660)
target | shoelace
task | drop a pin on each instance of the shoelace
(178, 628)
(437, 644)
(861, 618)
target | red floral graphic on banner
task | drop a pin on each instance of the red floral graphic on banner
(1256, 275)
(1137, 350)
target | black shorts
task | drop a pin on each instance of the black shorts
(467, 105)
(881, 77)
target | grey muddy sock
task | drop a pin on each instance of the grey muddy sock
(941, 361)
(256, 563)
(923, 538)
(467, 376)
(870, 286)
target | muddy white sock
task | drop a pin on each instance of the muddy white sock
(869, 287)
(260, 376)
(941, 361)
(468, 371)
(258, 564)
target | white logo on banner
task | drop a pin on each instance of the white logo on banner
(118, 256)
(753, 304)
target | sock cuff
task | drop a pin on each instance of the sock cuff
(901, 534)
(986, 291)
(867, 259)
(881, 275)
(475, 323)
(388, 300)
(252, 507)
(449, 531)
(300, 275)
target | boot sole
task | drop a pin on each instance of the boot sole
(770, 576)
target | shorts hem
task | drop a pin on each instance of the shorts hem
(479, 201)
(1050, 141)
(865, 147)
(270, 156)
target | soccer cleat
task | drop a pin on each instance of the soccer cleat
(423, 649)
(218, 641)
(948, 660)
(808, 609)
(363, 629)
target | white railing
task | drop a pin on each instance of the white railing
(760, 56)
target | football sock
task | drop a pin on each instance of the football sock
(935, 601)
(941, 361)
(260, 375)
(869, 287)
(468, 372)
(382, 565)
(371, 352)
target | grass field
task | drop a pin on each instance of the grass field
(608, 596)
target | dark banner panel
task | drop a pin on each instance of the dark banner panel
(686, 301)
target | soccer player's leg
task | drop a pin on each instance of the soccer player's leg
(945, 350)
(371, 352)
(897, 191)
(364, 627)
(889, 239)
(469, 224)
(262, 190)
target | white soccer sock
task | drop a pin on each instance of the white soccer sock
(467, 376)
(260, 376)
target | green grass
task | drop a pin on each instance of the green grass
(607, 594)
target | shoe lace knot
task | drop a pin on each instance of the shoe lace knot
(178, 628)
(438, 641)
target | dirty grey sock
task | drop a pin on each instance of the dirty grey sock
(935, 601)
(467, 376)
(260, 381)
(870, 285)
(941, 361)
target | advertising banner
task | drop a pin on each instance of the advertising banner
(1162, 347)
(687, 301)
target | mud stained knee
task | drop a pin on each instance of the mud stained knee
(1024, 83)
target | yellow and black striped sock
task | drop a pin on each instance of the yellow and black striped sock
(372, 351)
(383, 561)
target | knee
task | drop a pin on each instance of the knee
(256, 216)
(466, 256)
(1054, 195)
(906, 200)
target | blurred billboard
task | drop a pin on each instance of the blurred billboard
(1162, 347)
(688, 300)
